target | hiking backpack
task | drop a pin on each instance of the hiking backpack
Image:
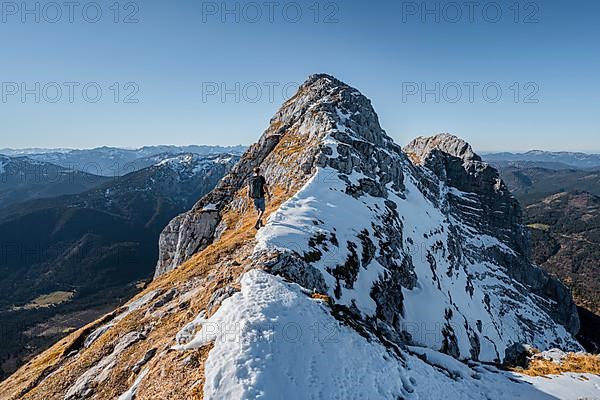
(256, 187)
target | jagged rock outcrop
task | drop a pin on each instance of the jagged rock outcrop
(456, 165)
(370, 278)
(490, 208)
(183, 237)
(194, 230)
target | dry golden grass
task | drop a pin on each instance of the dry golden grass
(540, 227)
(48, 300)
(321, 297)
(415, 159)
(574, 362)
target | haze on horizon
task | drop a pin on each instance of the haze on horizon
(67, 148)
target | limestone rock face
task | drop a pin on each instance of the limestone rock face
(456, 165)
(493, 210)
(183, 236)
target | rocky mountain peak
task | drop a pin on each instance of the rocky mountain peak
(327, 140)
(322, 112)
(452, 145)
(456, 165)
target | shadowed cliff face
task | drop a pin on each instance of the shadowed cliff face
(430, 253)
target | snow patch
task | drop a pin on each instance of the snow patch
(130, 394)
(454, 367)
(568, 386)
(210, 207)
(554, 355)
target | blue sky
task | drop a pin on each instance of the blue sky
(171, 66)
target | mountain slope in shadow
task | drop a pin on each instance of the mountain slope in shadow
(64, 255)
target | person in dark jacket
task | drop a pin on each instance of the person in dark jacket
(257, 189)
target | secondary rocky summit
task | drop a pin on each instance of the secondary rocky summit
(378, 270)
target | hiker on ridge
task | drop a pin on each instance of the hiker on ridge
(257, 188)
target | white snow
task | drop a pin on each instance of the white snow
(470, 197)
(554, 355)
(272, 341)
(568, 386)
(210, 207)
(130, 393)
(291, 226)
(502, 322)
(186, 338)
(454, 367)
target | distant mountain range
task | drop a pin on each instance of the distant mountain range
(23, 178)
(547, 159)
(112, 161)
(30, 174)
(532, 184)
(63, 260)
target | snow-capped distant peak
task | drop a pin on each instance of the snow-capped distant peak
(194, 162)
(189, 165)
(185, 159)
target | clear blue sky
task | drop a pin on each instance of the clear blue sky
(180, 52)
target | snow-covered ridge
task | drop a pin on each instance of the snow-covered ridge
(420, 272)
(399, 248)
(430, 255)
(272, 341)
